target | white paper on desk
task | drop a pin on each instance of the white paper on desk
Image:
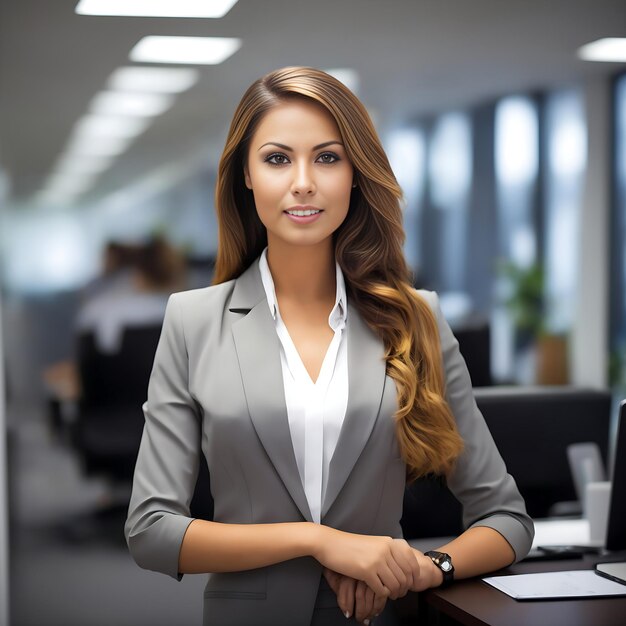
(546, 585)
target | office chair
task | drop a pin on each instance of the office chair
(533, 428)
(544, 422)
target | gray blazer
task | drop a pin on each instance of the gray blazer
(216, 389)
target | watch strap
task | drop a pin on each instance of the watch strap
(444, 562)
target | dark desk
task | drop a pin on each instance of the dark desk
(474, 603)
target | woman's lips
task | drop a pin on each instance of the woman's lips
(303, 219)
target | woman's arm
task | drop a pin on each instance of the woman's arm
(477, 551)
(479, 480)
(387, 565)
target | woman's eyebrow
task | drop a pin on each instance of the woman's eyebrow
(288, 149)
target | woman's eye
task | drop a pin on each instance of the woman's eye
(276, 159)
(328, 157)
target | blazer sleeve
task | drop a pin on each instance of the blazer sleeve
(480, 481)
(167, 463)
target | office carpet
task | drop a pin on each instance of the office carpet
(67, 566)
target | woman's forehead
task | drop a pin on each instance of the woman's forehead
(298, 121)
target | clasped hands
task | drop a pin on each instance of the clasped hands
(364, 571)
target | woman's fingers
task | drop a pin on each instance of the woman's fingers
(364, 602)
(400, 588)
(379, 605)
(332, 578)
(346, 595)
(406, 559)
(387, 565)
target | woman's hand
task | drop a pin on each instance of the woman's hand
(430, 575)
(354, 597)
(388, 566)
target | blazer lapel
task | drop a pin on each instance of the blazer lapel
(258, 352)
(366, 376)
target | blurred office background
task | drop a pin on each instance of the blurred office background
(505, 129)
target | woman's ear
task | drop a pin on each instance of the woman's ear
(246, 177)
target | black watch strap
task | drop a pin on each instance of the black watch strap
(444, 562)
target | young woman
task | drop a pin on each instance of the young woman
(314, 379)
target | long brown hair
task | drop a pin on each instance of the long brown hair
(368, 248)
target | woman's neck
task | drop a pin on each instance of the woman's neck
(303, 274)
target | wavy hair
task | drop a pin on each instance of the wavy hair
(368, 248)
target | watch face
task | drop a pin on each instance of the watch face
(446, 566)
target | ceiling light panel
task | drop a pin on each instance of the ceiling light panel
(156, 8)
(104, 146)
(610, 49)
(98, 125)
(124, 103)
(153, 79)
(187, 50)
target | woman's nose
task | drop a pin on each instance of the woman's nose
(303, 180)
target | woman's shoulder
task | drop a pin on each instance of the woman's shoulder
(431, 298)
(212, 298)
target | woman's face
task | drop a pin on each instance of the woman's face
(299, 173)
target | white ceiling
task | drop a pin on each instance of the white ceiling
(413, 57)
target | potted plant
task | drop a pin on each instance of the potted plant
(525, 303)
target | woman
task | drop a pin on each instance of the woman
(314, 379)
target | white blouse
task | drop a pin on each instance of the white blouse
(315, 410)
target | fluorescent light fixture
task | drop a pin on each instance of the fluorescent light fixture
(191, 50)
(153, 79)
(156, 8)
(349, 77)
(609, 49)
(96, 126)
(102, 146)
(124, 103)
(70, 184)
(70, 162)
(48, 196)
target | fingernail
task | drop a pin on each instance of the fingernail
(347, 614)
(366, 622)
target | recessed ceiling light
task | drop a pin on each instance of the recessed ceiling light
(95, 126)
(125, 103)
(192, 50)
(156, 8)
(78, 164)
(105, 146)
(609, 49)
(153, 79)
(70, 183)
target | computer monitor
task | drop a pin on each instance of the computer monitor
(616, 531)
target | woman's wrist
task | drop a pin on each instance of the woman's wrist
(430, 574)
(435, 573)
(314, 539)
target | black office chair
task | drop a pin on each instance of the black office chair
(532, 427)
(475, 346)
(110, 421)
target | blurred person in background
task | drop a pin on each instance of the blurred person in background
(131, 291)
(314, 379)
(135, 293)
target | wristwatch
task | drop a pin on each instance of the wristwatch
(444, 562)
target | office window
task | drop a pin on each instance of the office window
(406, 152)
(618, 240)
(516, 139)
(516, 161)
(449, 164)
(47, 252)
(565, 165)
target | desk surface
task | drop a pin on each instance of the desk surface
(474, 603)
